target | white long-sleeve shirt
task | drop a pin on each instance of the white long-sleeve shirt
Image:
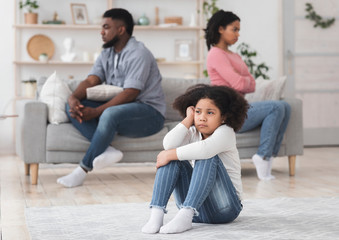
(190, 146)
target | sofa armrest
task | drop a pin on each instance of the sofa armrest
(31, 128)
(294, 132)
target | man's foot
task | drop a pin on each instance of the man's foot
(180, 223)
(74, 179)
(155, 222)
(107, 158)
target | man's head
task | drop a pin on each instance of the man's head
(117, 24)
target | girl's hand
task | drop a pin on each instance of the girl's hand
(165, 156)
(190, 112)
(189, 119)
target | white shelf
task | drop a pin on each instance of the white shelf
(91, 63)
(24, 66)
(52, 63)
(98, 27)
(56, 26)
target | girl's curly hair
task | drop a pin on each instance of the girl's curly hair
(231, 104)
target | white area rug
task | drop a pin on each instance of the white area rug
(282, 218)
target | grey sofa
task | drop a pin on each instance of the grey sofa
(37, 141)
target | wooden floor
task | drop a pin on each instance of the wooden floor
(316, 176)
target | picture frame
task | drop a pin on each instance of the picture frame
(79, 13)
(184, 50)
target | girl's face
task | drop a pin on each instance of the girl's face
(207, 117)
(230, 34)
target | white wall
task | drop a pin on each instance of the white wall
(260, 28)
(6, 76)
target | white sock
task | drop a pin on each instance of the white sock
(180, 223)
(262, 167)
(269, 170)
(107, 158)
(155, 222)
(74, 179)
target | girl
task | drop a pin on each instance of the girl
(226, 68)
(209, 192)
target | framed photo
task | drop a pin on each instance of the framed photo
(79, 13)
(183, 50)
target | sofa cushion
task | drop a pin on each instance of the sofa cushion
(55, 93)
(102, 92)
(248, 139)
(65, 137)
(153, 142)
(173, 87)
(267, 90)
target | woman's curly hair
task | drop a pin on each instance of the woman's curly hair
(231, 104)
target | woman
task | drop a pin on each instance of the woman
(226, 68)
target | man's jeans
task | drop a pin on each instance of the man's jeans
(206, 188)
(273, 116)
(131, 120)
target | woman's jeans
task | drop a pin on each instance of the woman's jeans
(206, 188)
(273, 117)
(131, 120)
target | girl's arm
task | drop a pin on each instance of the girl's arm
(236, 76)
(223, 139)
(180, 135)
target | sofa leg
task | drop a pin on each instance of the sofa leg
(27, 169)
(291, 164)
(34, 168)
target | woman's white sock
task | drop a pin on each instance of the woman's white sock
(180, 223)
(262, 166)
(269, 170)
(155, 222)
(107, 158)
(74, 179)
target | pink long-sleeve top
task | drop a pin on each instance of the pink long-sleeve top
(228, 69)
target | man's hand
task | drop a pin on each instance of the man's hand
(89, 113)
(165, 156)
(75, 108)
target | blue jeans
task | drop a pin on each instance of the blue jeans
(131, 120)
(206, 188)
(273, 116)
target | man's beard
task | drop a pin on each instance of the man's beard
(111, 43)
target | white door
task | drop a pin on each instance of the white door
(311, 62)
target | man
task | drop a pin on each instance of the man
(137, 111)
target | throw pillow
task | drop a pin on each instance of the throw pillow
(267, 90)
(102, 92)
(55, 93)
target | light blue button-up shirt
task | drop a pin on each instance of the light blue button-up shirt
(135, 68)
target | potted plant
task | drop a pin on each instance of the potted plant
(30, 16)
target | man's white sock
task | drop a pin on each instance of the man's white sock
(262, 166)
(74, 179)
(155, 222)
(107, 158)
(180, 223)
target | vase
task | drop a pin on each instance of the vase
(31, 18)
(143, 20)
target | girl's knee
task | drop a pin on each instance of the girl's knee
(227, 215)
